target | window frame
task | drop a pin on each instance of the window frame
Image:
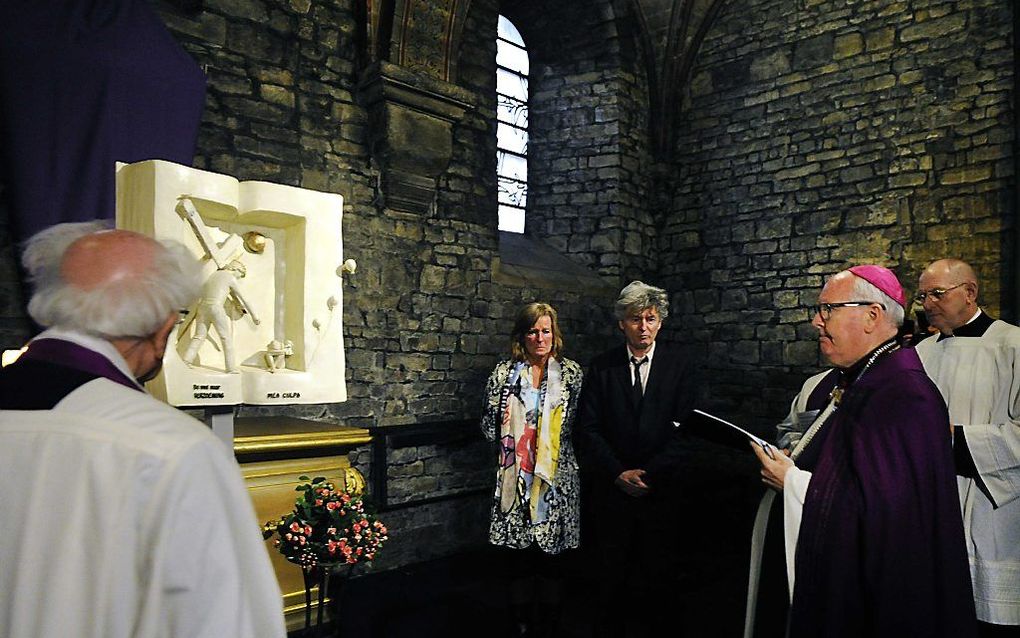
(512, 185)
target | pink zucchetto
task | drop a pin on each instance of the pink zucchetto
(882, 278)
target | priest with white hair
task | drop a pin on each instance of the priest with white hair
(124, 517)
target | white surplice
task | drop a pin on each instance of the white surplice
(979, 377)
(794, 493)
(124, 517)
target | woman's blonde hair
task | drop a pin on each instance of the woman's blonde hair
(526, 318)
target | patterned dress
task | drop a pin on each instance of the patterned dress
(513, 528)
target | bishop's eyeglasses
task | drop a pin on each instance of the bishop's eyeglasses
(825, 309)
(936, 294)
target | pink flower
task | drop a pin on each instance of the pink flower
(322, 537)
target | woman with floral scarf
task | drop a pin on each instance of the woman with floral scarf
(530, 406)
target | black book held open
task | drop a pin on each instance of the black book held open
(711, 428)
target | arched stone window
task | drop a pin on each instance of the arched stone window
(512, 126)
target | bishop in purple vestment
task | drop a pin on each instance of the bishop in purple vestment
(880, 547)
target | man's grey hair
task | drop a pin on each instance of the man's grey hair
(864, 290)
(636, 296)
(134, 307)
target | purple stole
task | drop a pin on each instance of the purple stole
(72, 355)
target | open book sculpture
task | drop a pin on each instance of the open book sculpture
(268, 327)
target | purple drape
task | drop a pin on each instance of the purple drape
(84, 84)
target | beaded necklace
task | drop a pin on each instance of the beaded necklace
(835, 397)
(837, 392)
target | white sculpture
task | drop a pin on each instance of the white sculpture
(220, 296)
(268, 247)
(276, 354)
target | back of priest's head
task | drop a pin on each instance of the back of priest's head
(108, 283)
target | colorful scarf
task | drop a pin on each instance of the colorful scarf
(530, 440)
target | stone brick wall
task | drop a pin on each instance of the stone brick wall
(438, 494)
(820, 134)
(425, 320)
(589, 143)
(814, 134)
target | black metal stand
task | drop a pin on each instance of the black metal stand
(321, 578)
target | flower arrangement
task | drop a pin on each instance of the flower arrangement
(328, 528)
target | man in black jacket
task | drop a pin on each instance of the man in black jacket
(629, 439)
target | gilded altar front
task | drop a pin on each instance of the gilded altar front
(273, 452)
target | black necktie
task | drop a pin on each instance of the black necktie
(637, 390)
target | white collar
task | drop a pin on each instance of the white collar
(95, 344)
(977, 314)
(647, 357)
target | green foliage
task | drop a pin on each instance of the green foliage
(327, 528)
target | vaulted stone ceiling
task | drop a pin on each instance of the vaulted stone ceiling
(424, 36)
(671, 31)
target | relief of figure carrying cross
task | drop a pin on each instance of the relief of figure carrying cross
(268, 329)
(222, 301)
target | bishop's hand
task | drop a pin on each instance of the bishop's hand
(773, 466)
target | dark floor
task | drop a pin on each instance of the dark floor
(459, 596)
(465, 594)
